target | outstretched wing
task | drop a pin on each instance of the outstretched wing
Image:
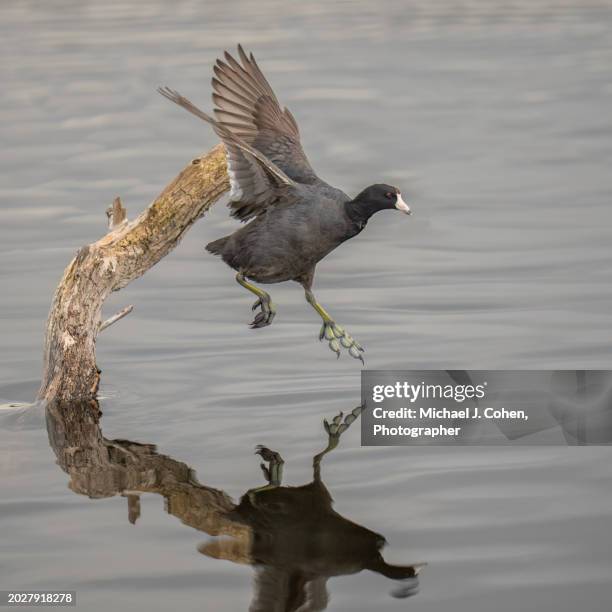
(247, 106)
(256, 181)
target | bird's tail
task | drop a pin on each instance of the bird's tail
(216, 247)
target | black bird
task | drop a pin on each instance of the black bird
(297, 218)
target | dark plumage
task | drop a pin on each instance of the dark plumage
(296, 218)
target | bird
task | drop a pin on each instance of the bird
(295, 219)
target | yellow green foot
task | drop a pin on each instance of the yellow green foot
(337, 337)
(273, 472)
(265, 316)
(334, 430)
(337, 427)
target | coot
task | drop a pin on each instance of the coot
(296, 218)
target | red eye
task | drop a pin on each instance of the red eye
(389, 195)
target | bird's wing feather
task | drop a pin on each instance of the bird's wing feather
(246, 104)
(256, 181)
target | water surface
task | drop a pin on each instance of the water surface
(492, 117)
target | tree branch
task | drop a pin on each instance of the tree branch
(116, 214)
(119, 315)
(126, 252)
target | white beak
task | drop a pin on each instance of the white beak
(401, 205)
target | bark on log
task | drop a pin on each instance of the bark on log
(126, 252)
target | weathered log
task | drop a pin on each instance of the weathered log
(126, 252)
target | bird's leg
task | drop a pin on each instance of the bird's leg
(273, 472)
(335, 335)
(334, 430)
(264, 302)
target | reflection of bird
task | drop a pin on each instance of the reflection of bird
(297, 218)
(292, 536)
(299, 541)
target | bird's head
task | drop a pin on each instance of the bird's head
(378, 197)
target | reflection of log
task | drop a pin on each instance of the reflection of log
(126, 252)
(99, 467)
(292, 534)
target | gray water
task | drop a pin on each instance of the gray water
(492, 117)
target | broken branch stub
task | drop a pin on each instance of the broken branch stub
(126, 252)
